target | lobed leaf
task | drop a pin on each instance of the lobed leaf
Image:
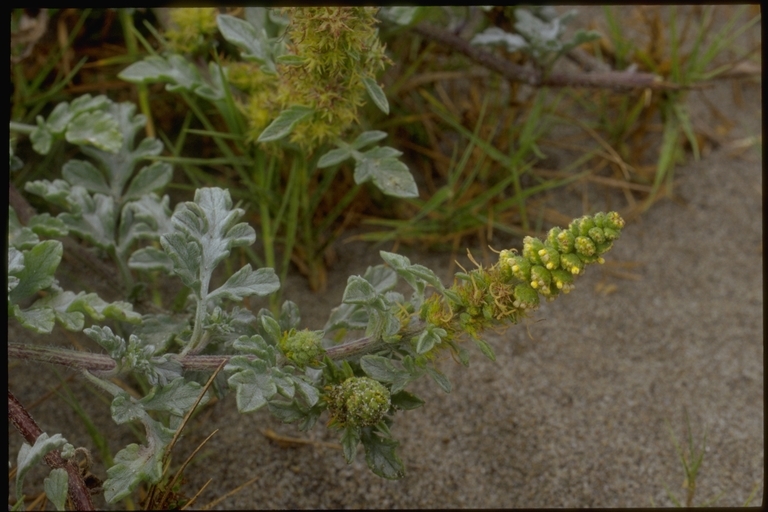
(284, 123)
(149, 179)
(114, 345)
(243, 35)
(376, 94)
(381, 456)
(368, 137)
(359, 291)
(350, 438)
(98, 129)
(406, 401)
(19, 238)
(40, 264)
(495, 35)
(246, 282)
(84, 174)
(30, 455)
(333, 157)
(39, 320)
(185, 255)
(93, 217)
(56, 486)
(389, 174)
(176, 397)
(254, 388)
(134, 463)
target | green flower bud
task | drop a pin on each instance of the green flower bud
(550, 256)
(572, 263)
(597, 235)
(614, 221)
(584, 246)
(552, 237)
(303, 347)
(563, 280)
(531, 248)
(506, 260)
(585, 224)
(358, 401)
(565, 242)
(521, 268)
(604, 247)
(595, 258)
(599, 219)
(610, 234)
(525, 297)
(540, 279)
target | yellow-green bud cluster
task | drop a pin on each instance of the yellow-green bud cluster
(549, 267)
(358, 401)
(192, 28)
(507, 291)
(302, 347)
(339, 47)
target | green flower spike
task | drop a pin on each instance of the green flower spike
(358, 401)
(303, 348)
(507, 291)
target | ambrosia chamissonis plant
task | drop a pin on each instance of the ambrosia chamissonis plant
(298, 374)
(267, 359)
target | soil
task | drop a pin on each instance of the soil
(577, 409)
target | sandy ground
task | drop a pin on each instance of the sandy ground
(574, 411)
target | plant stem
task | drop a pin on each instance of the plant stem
(100, 363)
(28, 428)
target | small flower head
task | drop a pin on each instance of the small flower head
(540, 279)
(302, 347)
(358, 401)
(521, 268)
(506, 261)
(597, 235)
(585, 246)
(572, 263)
(549, 256)
(531, 248)
(565, 242)
(582, 225)
(610, 234)
(562, 280)
(526, 297)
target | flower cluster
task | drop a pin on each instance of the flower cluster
(358, 401)
(192, 28)
(549, 267)
(336, 49)
(508, 290)
(303, 348)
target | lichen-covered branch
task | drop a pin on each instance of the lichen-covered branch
(516, 73)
